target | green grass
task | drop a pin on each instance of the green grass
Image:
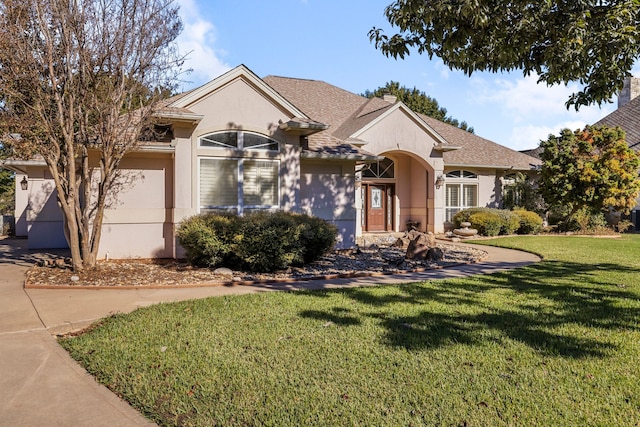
(556, 343)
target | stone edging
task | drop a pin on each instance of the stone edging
(354, 275)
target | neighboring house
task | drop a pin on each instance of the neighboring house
(627, 117)
(240, 143)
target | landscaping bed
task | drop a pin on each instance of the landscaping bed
(347, 263)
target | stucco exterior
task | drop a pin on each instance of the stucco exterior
(313, 143)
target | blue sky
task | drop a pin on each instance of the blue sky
(327, 40)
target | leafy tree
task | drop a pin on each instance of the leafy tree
(522, 193)
(79, 82)
(589, 170)
(592, 42)
(7, 187)
(419, 102)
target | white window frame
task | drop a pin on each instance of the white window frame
(240, 138)
(240, 207)
(462, 180)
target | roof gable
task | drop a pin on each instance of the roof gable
(188, 99)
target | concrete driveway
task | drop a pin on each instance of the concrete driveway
(41, 385)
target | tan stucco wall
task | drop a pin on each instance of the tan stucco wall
(137, 221)
(328, 192)
(410, 144)
(41, 216)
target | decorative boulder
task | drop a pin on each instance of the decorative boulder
(419, 246)
(428, 239)
(435, 254)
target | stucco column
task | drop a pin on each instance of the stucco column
(439, 197)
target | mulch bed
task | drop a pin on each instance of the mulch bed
(166, 273)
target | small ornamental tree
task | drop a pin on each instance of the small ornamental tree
(80, 82)
(592, 169)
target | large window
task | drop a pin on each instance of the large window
(461, 192)
(238, 185)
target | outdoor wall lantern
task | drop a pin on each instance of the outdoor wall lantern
(439, 181)
(24, 184)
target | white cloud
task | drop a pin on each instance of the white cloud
(197, 41)
(529, 136)
(531, 110)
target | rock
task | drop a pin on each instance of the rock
(417, 249)
(435, 254)
(60, 263)
(223, 271)
(74, 278)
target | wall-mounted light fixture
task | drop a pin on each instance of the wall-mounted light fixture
(439, 181)
(24, 184)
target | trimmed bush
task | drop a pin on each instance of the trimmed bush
(510, 221)
(258, 242)
(530, 222)
(487, 223)
(485, 220)
(201, 241)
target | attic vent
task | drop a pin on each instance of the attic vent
(391, 99)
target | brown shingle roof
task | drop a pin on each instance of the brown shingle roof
(346, 113)
(628, 118)
(478, 151)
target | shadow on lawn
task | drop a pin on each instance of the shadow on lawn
(540, 299)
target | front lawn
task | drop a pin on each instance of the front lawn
(556, 343)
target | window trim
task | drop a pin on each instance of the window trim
(461, 178)
(240, 138)
(240, 207)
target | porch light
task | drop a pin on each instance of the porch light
(439, 181)
(24, 184)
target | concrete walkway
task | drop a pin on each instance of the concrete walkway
(41, 385)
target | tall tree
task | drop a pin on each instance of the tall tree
(591, 42)
(590, 169)
(419, 102)
(72, 74)
(7, 187)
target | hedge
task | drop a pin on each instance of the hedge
(492, 222)
(257, 242)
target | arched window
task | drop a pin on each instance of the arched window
(238, 140)
(461, 192)
(381, 169)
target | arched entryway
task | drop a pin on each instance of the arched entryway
(395, 192)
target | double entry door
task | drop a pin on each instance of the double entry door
(378, 206)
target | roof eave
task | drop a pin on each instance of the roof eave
(331, 156)
(20, 166)
(443, 148)
(296, 127)
(190, 118)
(501, 167)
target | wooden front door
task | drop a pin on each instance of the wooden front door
(376, 208)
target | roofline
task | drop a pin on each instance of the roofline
(229, 76)
(503, 167)
(328, 156)
(400, 105)
(191, 118)
(20, 166)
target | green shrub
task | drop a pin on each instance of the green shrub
(258, 242)
(509, 221)
(487, 223)
(201, 241)
(530, 222)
